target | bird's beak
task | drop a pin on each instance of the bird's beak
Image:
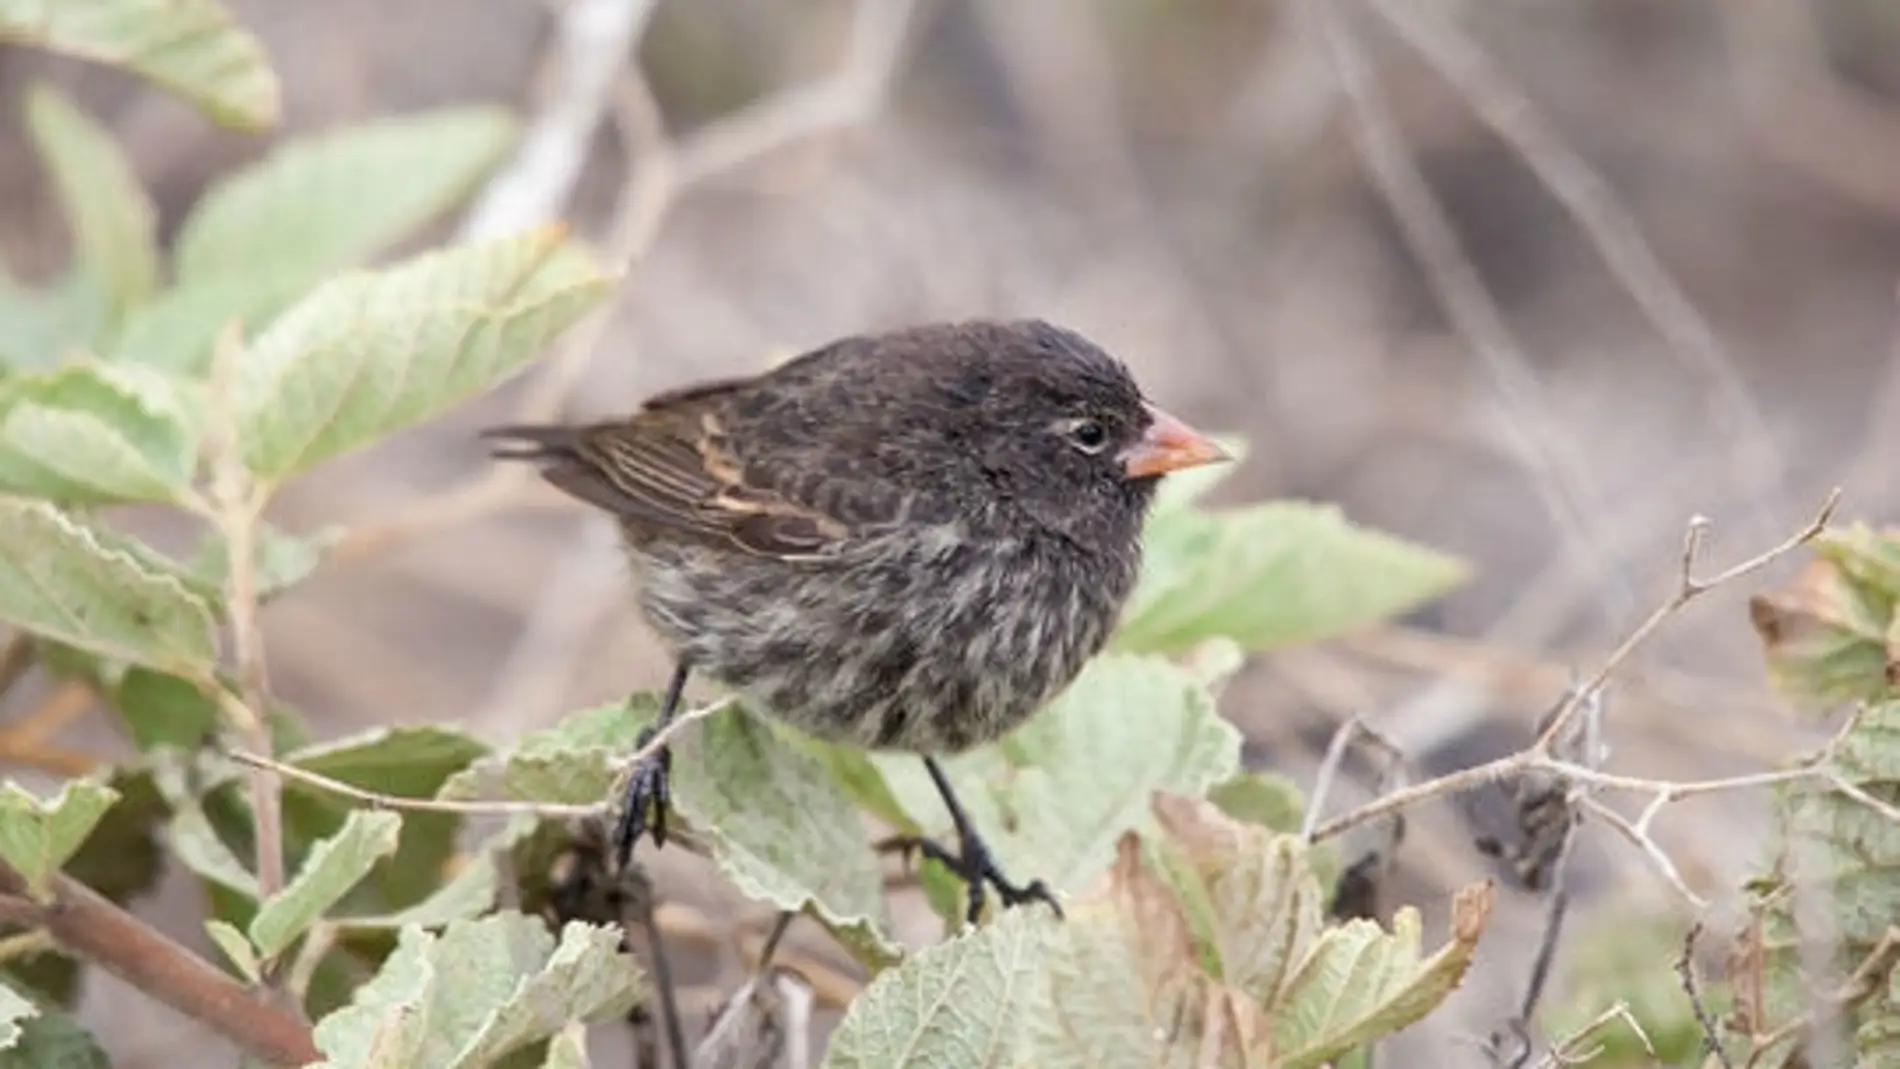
(1168, 445)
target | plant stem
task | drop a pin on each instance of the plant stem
(102, 933)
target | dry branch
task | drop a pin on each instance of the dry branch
(1540, 756)
(102, 933)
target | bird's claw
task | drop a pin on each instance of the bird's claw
(978, 869)
(649, 786)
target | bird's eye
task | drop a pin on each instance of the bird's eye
(1088, 435)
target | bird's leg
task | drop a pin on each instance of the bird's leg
(648, 784)
(973, 863)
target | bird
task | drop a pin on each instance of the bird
(906, 540)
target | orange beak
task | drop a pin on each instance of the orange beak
(1168, 445)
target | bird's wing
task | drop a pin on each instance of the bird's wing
(671, 469)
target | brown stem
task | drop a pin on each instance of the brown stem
(102, 933)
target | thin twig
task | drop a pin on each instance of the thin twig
(1688, 588)
(102, 933)
(1685, 969)
(1564, 1052)
(590, 46)
(1538, 755)
(236, 503)
(548, 810)
(1594, 206)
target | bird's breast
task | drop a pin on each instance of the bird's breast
(923, 640)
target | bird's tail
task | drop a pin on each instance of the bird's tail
(532, 442)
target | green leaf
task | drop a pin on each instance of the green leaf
(469, 894)
(281, 560)
(85, 588)
(93, 434)
(1263, 798)
(1359, 983)
(322, 203)
(1831, 843)
(585, 978)
(189, 47)
(780, 828)
(38, 836)
(1122, 986)
(194, 837)
(14, 1008)
(1827, 633)
(411, 761)
(40, 327)
(113, 222)
(480, 990)
(575, 762)
(777, 823)
(962, 1002)
(370, 353)
(1053, 797)
(1272, 575)
(237, 949)
(178, 330)
(568, 1051)
(54, 1040)
(334, 866)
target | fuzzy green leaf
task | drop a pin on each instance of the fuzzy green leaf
(237, 949)
(14, 1008)
(85, 588)
(469, 894)
(1122, 987)
(408, 760)
(574, 762)
(281, 560)
(962, 1002)
(334, 866)
(178, 331)
(40, 327)
(568, 1051)
(113, 222)
(480, 990)
(1053, 797)
(369, 353)
(88, 433)
(1359, 983)
(777, 823)
(193, 837)
(780, 828)
(37, 835)
(1272, 575)
(54, 1040)
(189, 47)
(1262, 798)
(325, 202)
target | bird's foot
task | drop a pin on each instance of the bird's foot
(977, 867)
(649, 786)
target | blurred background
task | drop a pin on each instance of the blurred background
(1530, 282)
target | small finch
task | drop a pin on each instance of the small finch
(904, 541)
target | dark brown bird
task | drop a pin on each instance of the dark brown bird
(904, 541)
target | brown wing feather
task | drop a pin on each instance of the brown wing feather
(667, 471)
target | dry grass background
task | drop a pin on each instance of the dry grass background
(1183, 182)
